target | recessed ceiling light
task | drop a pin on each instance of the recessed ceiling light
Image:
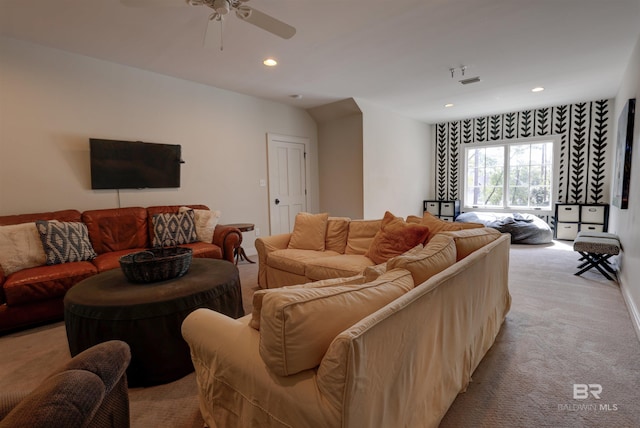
(448, 105)
(270, 62)
(537, 89)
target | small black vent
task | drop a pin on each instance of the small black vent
(470, 80)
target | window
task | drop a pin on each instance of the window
(509, 175)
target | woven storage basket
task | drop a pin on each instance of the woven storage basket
(156, 264)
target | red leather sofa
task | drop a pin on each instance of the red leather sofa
(35, 295)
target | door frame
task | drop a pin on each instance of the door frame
(281, 138)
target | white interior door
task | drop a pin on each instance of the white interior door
(287, 181)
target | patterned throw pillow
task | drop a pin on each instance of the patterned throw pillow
(174, 229)
(65, 241)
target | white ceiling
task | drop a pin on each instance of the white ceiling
(393, 53)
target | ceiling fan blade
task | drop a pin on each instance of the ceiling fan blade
(266, 22)
(152, 3)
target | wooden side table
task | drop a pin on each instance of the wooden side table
(239, 252)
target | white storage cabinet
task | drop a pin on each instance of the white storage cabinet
(573, 218)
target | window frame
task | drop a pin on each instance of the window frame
(462, 153)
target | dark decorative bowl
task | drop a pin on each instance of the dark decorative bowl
(156, 264)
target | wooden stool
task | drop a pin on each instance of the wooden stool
(596, 248)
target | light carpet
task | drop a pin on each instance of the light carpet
(562, 330)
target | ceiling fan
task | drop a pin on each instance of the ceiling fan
(222, 8)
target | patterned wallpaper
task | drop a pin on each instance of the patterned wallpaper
(585, 146)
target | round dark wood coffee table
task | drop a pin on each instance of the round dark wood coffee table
(149, 316)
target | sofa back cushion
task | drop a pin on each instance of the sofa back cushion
(437, 225)
(258, 296)
(298, 324)
(337, 232)
(361, 234)
(469, 240)
(63, 215)
(117, 229)
(436, 256)
(309, 231)
(394, 238)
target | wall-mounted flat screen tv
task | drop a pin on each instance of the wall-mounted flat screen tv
(134, 164)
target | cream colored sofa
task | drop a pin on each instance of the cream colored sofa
(348, 352)
(336, 247)
(346, 242)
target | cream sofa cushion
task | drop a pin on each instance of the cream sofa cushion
(309, 231)
(337, 232)
(20, 248)
(295, 261)
(361, 233)
(297, 325)
(437, 255)
(258, 296)
(469, 240)
(337, 266)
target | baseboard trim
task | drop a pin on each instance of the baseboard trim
(634, 313)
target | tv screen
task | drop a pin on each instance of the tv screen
(134, 164)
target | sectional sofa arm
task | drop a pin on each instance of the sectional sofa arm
(201, 325)
(225, 351)
(264, 246)
(228, 238)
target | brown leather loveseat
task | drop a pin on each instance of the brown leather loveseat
(35, 294)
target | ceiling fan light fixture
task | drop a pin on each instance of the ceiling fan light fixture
(270, 62)
(221, 6)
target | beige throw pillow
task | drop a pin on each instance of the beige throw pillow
(439, 254)
(309, 231)
(258, 296)
(20, 248)
(298, 325)
(206, 222)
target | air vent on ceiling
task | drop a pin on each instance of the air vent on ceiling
(470, 80)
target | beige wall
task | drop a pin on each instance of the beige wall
(372, 160)
(397, 159)
(340, 164)
(625, 222)
(52, 102)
